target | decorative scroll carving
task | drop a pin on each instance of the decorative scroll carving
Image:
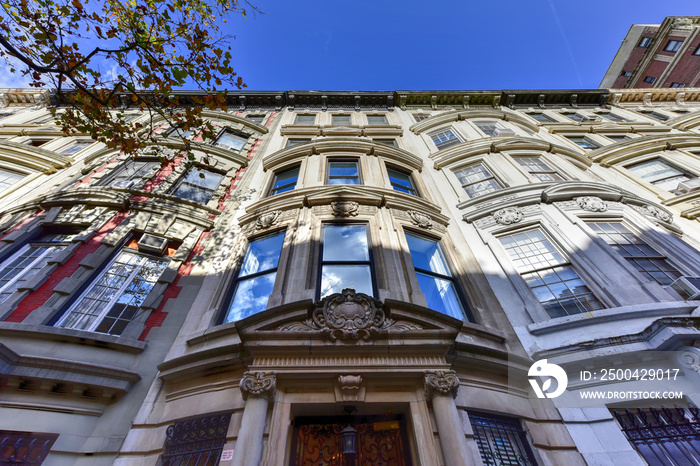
(680, 99)
(420, 219)
(616, 98)
(689, 357)
(267, 220)
(345, 208)
(592, 204)
(646, 99)
(508, 216)
(659, 214)
(441, 383)
(349, 316)
(258, 384)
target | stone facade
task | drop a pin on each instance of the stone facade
(366, 259)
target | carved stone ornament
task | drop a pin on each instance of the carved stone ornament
(689, 357)
(349, 388)
(441, 383)
(348, 316)
(592, 204)
(258, 384)
(267, 220)
(660, 214)
(345, 208)
(420, 219)
(508, 216)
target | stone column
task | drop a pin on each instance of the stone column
(441, 387)
(257, 388)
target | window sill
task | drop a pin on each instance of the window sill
(44, 332)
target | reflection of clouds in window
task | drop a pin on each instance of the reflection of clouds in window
(335, 278)
(256, 278)
(346, 261)
(345, 242)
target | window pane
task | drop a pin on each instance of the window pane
(347, 243)
(198, 185)
(285, 181)
(444, 138)
(335, 278)
(262, 255)
(340, 119)
(376, 120)
(305, 119)
(231, 141)
(440, 295)
(343, 173)
(426, 255)
(8, 178)
(251, 295)
(400, 181)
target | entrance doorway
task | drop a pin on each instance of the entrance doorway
(381, 441)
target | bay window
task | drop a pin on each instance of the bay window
(345, 260)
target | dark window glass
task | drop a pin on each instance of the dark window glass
(285, 180)
(612, 117)
(643, 257)
(343, 172)
(583, 142)
(434, 277)
(340, 119)
(305, 119)
(256, 278)
(420, 116)
(541, 117)
(649, 79)
(345, 260)
(388, 142)
(673, 45)
(501, 440)
(376, 120)
(656, 115)
(256, 118)
(296, 142)
(401, 181)
(645, 42)
(677, 85)
(198, 185)
(74, 147)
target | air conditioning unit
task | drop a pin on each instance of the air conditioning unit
(152, 244)
(689, 186)
(687, 287)
(590, 119)
(503, 132)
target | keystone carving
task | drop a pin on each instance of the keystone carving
(349, 316)
(345, 208)
(441, 383)
(592, 204)
(508, 216)
(420, 219)
(258, 384)
(349, 388)
(660, 214)
(267, 220)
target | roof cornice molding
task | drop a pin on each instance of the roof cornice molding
(648, 96)
(23, 97)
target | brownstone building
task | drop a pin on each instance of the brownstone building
(657, 55)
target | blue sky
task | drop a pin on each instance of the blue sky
(406, 45)
(389, 45)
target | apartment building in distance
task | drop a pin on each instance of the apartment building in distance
(356, 278)
(657, 55)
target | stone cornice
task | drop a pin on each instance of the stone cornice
(617, 153)
(32, 158)
(457, 115)
(461, 152)
(647, 96)
(23, 97)
(341, 145)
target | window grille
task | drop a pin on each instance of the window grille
(8, 178)
(444, 138)
(538, 169)
(501, 440)
(477, 180)
(196, 442)
(663, 437)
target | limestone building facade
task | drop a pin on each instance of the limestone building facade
(354, 276)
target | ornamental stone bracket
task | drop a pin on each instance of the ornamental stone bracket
(441, 383)
(258, 384)
(689, 357)
(349, 388)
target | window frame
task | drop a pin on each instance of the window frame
(292, 142)
(649, 79)
(526, 449)
(104, 312)
(116, 171)
(385, 121)
(457, 138)
(631, 259)
(645, 42)
(682, 171)
(272, 191)
(343, 116)
(231, 295)
(565, 262)
(452, 278)
(584, 138)
(354, 160)
(369, 262)
(182, 180)
(673, 45)
(498, 125)
(541, 117)
(3, 178)
(534, 174)
(237, 134)
(81, 144)
(487, 168)
(408, 174)
(300, 116)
